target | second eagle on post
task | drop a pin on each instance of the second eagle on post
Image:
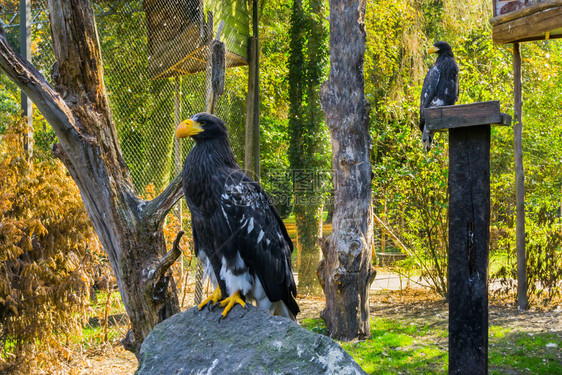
(237, 233)
(440, 86)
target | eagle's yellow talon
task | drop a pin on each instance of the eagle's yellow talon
(229, 302)
(214, 298)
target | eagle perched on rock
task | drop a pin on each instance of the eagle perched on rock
(237, 232)
(440, 86)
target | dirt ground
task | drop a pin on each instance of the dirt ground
(416, 305)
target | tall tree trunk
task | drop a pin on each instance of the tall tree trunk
(129, 228)
(346, 269)
(305, 125)
(308, 220)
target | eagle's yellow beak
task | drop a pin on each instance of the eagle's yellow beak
(188, 128)
(433, 49)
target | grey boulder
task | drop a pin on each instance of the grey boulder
(247, 341)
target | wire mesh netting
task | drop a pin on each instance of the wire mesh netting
(155, 57)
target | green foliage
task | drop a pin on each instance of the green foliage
(425, 216)
(542, 146)
(544, 259)
(43, 134)
(8, 102)
(307, 131)
(393, 62)
(47, 248)
(307, 69)
(274, 104)
(297, 86)
(414, 185)
(10, 94)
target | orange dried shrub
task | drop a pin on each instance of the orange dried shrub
(47, 249)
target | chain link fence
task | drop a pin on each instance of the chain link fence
(155, 56)
(155, 68)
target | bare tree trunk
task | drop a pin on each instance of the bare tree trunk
(129, 228)
(346, 272)
(308, 219)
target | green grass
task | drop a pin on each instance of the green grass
(93, 337)
(395, 346)
(525, 353)
(411, 347)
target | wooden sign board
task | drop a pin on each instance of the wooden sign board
(459, 116)
(531, 21)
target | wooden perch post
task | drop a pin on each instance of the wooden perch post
(522, 283)
(252, 134)
(215, 73)
(469, 222)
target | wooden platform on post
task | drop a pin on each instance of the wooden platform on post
(469, 222)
